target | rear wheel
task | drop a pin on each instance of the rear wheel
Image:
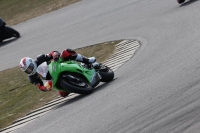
(16, 34)
(106, 73)
(11, 32)
(180, 1)
(76, 85)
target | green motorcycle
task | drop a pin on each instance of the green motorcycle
(70, 76)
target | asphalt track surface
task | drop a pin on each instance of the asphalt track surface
(156, 91)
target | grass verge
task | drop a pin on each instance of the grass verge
(16, 11)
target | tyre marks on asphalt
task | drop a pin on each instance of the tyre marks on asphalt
(122, 53)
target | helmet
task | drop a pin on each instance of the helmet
(28, 65)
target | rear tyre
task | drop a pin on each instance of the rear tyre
(16, 34)
(12, 32)
(76, 85)
(106, 74)
(180, 1)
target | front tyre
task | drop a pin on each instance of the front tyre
(76, 85)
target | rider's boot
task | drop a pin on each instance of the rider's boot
(96, 65)
(83, 59)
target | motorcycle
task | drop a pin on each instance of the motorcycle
(180, 1)
(7, 32)
(70, 76)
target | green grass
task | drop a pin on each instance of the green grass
(18, 96)
(16, 11)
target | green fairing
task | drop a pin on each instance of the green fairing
(56, 68)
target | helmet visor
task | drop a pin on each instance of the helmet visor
(30, 68)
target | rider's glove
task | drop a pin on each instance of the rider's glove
(55, 55)
(92, 59)
(48, 85)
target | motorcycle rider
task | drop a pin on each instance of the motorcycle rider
(29, 66)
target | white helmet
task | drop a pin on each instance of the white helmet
(28, 65)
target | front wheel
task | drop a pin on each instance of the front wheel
(76, 85)
(180, 1)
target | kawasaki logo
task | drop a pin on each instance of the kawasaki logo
(54, 67)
